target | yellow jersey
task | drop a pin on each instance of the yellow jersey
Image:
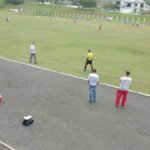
(90, 56)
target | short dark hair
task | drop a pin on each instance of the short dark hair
(89, 50)
(128, 73)
(94, 70)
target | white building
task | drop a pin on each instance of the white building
(132, 6)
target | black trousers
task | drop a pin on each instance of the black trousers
(33, 55)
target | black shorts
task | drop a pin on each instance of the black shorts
(88, 62)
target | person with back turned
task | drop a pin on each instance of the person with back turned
(32, 53)
(93, 82)
(125, 82)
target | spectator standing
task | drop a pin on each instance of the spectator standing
(125, 82)
(93, 82)
(89, 60)
(32, 53)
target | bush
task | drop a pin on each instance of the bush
(111, 6)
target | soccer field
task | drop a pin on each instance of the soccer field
(62, 45)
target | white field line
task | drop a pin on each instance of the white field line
(140, 93)
(6, 145)
(75, 66)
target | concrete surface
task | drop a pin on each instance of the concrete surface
(63, 118)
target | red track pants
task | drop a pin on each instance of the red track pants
(119, 94)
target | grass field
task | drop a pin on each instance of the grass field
(62, 45)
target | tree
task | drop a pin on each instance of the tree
(76, 2)
(88, 3)
(14, 1)
(2, 3)
(85, 3)
(148, 2)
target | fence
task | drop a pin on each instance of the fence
(89, 16)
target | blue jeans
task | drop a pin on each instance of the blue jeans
(92, 94)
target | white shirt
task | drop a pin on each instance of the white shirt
(93, 79)
(32, 49)
(125, 83)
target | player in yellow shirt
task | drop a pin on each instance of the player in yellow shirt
(89, 60)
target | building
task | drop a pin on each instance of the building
(132, 6)
(127, 6)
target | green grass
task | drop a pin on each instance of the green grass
(63, 46)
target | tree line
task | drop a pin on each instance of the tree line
(83, 3)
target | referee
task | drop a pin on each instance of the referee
(89, 60)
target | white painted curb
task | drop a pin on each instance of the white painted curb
(6, 145)
(140, 93)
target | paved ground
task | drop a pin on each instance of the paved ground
(3, 146)
(63, 118)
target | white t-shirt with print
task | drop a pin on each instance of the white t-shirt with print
(125, 83)
(93, 79)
